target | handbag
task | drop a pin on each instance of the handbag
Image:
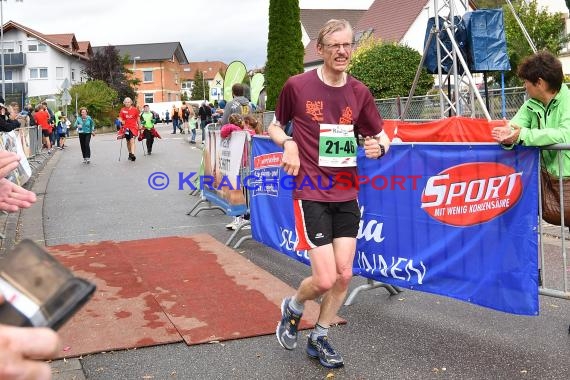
(550, 194)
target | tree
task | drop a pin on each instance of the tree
(201, 87)
(106, 65)
(388, 69)
(99, 98)
(489, 4)
(545, 29)
(285, 51)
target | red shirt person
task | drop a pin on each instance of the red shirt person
(130, 120)
(41, 116)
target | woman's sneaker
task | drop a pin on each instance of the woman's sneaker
(232, 225)
(321, 349)
(287, 328)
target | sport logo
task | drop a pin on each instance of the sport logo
(471, 193)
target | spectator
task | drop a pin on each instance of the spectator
(118, 124)
(236, 124)
(61, 130)
(250, 123)
(41, 117)
(205, 113)
(176, 118)
(186, 112)
(193, 121)
(544, 119)
(51, 122)
(8, 119)
(167, 117)
(85, 129)
(56, 117)
(239, 104)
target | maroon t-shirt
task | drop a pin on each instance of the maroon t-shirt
(308, 102)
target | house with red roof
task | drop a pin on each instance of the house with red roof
(37, 64)
(404, 21)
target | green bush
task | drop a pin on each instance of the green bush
(388, 69)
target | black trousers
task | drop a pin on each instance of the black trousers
(84, 141)
(149, 140)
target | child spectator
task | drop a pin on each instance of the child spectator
(251, 124)
(61, 130)
(193, 123)
(235, 123)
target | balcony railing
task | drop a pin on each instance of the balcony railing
(16, 87)
(14, 59)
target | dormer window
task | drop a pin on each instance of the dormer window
(35, 45)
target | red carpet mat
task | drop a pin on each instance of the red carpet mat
(166, 290)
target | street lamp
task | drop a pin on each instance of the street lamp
(203, 83)
(2, 46)
(134, 63)
(134, 71)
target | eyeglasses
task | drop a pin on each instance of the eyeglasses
(346, 46)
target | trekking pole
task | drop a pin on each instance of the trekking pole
(121, 149)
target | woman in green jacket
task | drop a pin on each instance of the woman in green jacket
(544, 119)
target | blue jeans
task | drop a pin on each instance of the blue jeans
(193, 135)
(203, 126)
(174, 125)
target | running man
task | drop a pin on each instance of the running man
(327, 106)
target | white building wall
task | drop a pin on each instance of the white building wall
(50, 59)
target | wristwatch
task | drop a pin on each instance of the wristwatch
(382, 150)
(284, 141)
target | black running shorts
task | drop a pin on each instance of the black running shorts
(319, 223)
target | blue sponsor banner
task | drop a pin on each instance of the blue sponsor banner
(271, 206)
(455, 220)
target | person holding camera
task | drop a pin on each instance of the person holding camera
(8, 119)
(22, 347)
(21, 351)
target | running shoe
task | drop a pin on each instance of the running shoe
(321, 349)
(287, 328)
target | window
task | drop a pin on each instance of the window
(149, 98)
(147, 76)
(73, 75)
(38, 73)
(9, 46)
(8, 75)
(59, 73)
(35, 45)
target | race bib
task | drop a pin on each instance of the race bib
(337, 145)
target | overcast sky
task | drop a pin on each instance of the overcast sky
(222, 30)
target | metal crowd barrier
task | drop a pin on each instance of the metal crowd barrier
(245, 170)
(554, 281)
(30, 140)
(204, 204)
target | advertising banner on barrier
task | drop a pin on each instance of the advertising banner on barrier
(451, 220)
(223, 160)
(12, 141)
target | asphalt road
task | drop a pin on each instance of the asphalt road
(412, 335)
